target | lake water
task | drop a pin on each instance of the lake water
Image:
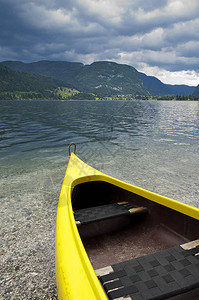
(154, 145)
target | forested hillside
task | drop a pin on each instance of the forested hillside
(103, 79)
(11, 80)
(157, 88)
(109, 78)
(196, 91)
(62, 70)
(21, 85)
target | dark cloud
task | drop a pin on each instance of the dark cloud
(149, 35)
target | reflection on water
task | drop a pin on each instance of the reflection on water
(138, 139)
(154, 145)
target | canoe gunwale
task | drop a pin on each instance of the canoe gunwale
(70, 254)
(165, 201)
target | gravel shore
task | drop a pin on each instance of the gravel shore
(28, 215)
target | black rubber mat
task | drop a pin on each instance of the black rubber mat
(98, 213)
(156, 276)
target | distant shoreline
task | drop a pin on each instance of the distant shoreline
(22, 97)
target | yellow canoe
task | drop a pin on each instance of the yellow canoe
(139, 224)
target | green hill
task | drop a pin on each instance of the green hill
(26, 85)
(102, 78)
(196, 91)
(157, 88)
(11, 81)
(154, 85)
(109, 78)
(62, 70)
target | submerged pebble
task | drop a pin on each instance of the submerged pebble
(152, 144)
(27, 260)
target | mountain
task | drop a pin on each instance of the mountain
(62, 70)
(103, 78)
(181, 89)
(157, 88)
(196, 91)
(11, 80)
(154, 85)
(109, 78)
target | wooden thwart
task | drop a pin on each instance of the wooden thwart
(103, 212)
(136, 210)
(190, 245)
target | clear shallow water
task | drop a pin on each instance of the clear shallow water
(151, 144)
(154, 145)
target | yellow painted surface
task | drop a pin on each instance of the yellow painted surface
(75, 276)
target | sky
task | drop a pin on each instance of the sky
(158, 37)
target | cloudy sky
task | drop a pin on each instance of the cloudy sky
(157, 37)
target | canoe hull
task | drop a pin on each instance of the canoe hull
(168, 223)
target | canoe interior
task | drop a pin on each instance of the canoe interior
(122, 238)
